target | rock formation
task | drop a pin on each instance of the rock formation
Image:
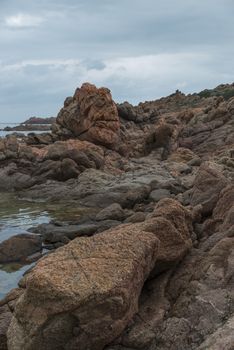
(85, 294)
(90, 115)
(150, 264)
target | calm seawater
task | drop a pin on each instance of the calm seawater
(4, 133)
(17, 216)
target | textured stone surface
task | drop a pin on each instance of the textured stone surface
(207, 186)
(5, 318)
(85, 294)
(156, 195)
(91, 115)
(180, 145)
(112, 212)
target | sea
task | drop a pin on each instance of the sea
(4, 133)
(16, 216)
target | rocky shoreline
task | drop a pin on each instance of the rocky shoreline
(149, 264)
(27, 127)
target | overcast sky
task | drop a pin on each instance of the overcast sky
(140, 49)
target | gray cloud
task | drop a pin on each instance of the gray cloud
(139, 49)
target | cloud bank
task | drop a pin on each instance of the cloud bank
(21, 20)
(140, 50)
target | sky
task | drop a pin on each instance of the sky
(139, 49)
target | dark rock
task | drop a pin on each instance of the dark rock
(112, 212)
(19, 247)
(195, 162)
(156, 195)
(5, 319)
(136, 217)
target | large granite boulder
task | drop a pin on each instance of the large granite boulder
(85, 294)
(90, 115)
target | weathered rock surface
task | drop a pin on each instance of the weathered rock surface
(112, 212)
(156, 195)
(163, 280)
(190, 307)
(90, 115)
(90, 288)
(207, 186)
(5, 318)
(85, 294)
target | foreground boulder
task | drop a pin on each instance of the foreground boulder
(85, 294)
(90, 115)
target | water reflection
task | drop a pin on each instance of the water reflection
(10, 275)
(17, 216)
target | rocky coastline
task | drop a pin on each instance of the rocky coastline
(149, 264)
(32, 124)
(27, 127)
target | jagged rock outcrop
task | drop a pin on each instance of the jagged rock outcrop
(145, 272)
(90, 115)
(85, 294)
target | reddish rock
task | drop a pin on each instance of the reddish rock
(91, 115)
(85, 294)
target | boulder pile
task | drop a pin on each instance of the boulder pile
(149, 265)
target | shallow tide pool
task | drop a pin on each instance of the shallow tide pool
(17, 216)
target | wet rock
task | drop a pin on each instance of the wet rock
(19, 247)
